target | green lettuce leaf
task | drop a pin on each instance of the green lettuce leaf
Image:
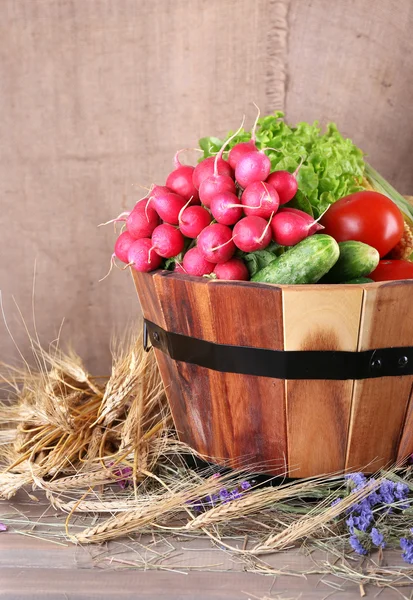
(258, 260)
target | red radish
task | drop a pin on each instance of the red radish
(215, 243)
(289, 229)
(244, 147)
(240, 150)
(167, 241)
(260, 199)
(193, 220)
(205, 169)
(233, 269)
(251, 167)
(180, 181)
(216, 183)
(226, 209)
(142, 220)
(195, 263)
(167, 204)
(213, 185)
(285, 183)
(122, 245)
(315, 226)
(252, 233)
(138, 256)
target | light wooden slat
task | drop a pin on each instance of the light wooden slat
(318, 411)
(379, 405)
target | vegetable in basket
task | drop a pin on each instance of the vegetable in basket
(276, 184)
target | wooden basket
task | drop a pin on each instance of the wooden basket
(307, 426)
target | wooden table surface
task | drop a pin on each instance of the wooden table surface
(37, 565)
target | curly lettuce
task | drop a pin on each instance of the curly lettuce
(332, 167)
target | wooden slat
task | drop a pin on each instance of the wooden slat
(251, 315)
(318, 411)
(232, 417)
(152, 310)
(185, 305)
(379, 405)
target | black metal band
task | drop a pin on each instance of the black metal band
(282, 364)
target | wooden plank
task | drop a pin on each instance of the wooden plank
(35, 568)
(130, 584)
(318, 411)
(379, 405)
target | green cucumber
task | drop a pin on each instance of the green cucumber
(306, 262)
(356, 260)
(360, 280)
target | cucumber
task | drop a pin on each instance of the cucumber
(360, 280)
(356, 260)
(306, 262)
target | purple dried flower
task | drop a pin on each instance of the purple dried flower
(374, 498)
(224, 494)
(357, 545)
(357, 480)
(377, 538)
(3, 527)
(387, 490)
(363, 521)
(124, 474)
(401, 492)
(212, 499)
(350, 524)
(245, 485)
(235, 495)
(407, 547)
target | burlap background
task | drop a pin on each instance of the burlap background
(96, 95)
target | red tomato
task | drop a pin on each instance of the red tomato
(389, 270)
(367, 217)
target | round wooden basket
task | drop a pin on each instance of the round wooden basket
(329, 388)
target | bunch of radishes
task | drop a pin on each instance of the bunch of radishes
(219, 206)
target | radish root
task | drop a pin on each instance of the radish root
(177, 162)
(220, 153)
(112, 264)
(122, 217)
(266, 228)
(222, 245)
(254, 128)
(183, 208)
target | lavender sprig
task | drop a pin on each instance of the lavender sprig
(363, 517)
